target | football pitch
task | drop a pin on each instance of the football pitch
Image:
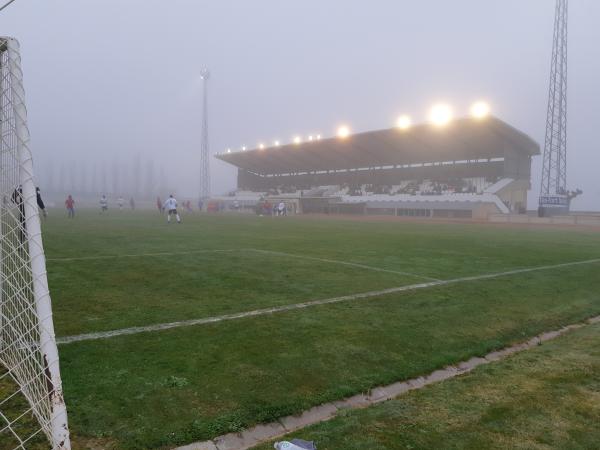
(171, 334)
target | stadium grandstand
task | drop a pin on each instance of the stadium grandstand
(469, 168)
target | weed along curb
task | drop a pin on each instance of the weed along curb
(265, 432)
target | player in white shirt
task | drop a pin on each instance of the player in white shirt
(170, 206)
(103, 204)
(282, 209)
(120, 202)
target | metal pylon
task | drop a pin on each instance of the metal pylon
(553, 195)
(204, 148)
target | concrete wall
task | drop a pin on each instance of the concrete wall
(515, 194)
(574, 219)
(483, 211)
(517, 164)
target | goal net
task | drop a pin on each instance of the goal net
(32, 409)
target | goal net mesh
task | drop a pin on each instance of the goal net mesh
(32, 411)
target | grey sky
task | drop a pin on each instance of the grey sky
(109, 79)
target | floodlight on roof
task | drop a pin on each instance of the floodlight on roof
(297, 140)
(404, 122)
(228, 150)
(276, 143)
(261, 146)
(318, 137)
(310, 138)
(244, 148)
(343, 132)
(480, 110)
(440, 115)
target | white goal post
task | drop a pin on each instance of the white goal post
(32, 408)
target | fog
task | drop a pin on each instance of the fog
(113, 86)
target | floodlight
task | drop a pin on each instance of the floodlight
(480, 110)
(310, 138)
(297, 140)
(261, 146)
(343, 132)
(440, 115)
(318, 137)
(228, 150)
(244, 148)
(404, 122)
(276, 143)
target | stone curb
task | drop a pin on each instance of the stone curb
(266, 432)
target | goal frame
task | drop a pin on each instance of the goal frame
(45, 352)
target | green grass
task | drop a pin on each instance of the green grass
(146, 290)
(159, 389)
(548, 397)
(23, 424)
(134, 291)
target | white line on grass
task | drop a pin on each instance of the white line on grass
(296, 306)
(255, 250)
(344, 263)
(137, 255)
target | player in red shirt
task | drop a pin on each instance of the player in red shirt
(70, 204)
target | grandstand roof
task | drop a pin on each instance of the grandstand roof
(463, 139)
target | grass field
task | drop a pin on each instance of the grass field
(544, 398)
(162, 388)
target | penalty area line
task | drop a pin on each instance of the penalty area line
(139, 255)
(298, 306)
(344, 263)
(254, 250)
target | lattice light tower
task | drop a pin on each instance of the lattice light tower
(554, 197)
(204, 148)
